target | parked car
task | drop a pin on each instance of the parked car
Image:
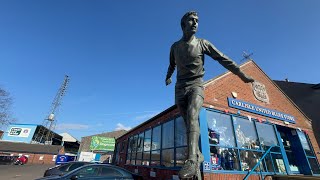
(96, 171)
(21, 160)
(6, 160)
(63, 168)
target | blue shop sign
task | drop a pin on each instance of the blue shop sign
(235, 103)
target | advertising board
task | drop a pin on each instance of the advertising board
(61, 158)
(102, 143)
(86, 156)
(19, 132)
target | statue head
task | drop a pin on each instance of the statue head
(189, 22)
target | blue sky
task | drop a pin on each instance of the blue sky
(116, 53)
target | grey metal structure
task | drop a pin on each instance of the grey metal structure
(45, 134)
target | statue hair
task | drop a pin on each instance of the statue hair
(185, 16)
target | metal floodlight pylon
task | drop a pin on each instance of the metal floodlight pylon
(45, 132)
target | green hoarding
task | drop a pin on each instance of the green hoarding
(102, 143)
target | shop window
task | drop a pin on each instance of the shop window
(139, 149)
(129, 145)
(155, 158)
(267, 136)
(249, 159)
(168, 135)
(140, 142)
(117, 150)
(227, 155)
(146, 158)
(269, 163)
(167, 158)
(139, 158)
(278, 163)
(305, 143)
(309, 152)
(274, 163)
(122, 146)
(138, 162)
(156, 138)
(181, 155)
(181, 132)
(314, 165)
(147, 140)
(245, 133)
(293, 164)
(146, 148)
(128, 158)
(220, 129)
(224, 158)
(128, 161)
(134, 147)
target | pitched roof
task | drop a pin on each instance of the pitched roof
(29, 148)
(306, 96)
(113, 134)
(67, 137)
(208, 82)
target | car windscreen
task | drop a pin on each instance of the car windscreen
(64, 167)
(75, 166)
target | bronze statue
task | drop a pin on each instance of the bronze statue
(188, 55)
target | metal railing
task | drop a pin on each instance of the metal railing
(258, 163)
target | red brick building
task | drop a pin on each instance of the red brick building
(36, 153)
(239, 123)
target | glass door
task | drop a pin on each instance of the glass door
(298, 163)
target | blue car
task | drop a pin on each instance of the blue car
(96, 171)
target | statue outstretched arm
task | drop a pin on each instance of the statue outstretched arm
(225, 61)
(171, 68)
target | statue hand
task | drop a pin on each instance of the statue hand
(168, 81)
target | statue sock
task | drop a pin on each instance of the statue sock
(191, 166)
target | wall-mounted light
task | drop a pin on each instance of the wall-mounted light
(234, 94)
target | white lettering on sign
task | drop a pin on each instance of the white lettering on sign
(19, 132)
(261, 110)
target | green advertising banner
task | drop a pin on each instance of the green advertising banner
(102, 143)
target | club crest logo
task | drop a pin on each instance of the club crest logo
(260, 92)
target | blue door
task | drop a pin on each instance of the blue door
(298, 163)
(97, 158)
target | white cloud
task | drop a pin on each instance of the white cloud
(122, 127)
(70, 126)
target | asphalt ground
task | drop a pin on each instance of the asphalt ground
(23, 172)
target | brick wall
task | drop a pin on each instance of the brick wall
(165, 174)
(232, 176)
(217, 91)
(36, 158)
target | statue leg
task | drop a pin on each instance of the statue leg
(191, 167)
(195, 106)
